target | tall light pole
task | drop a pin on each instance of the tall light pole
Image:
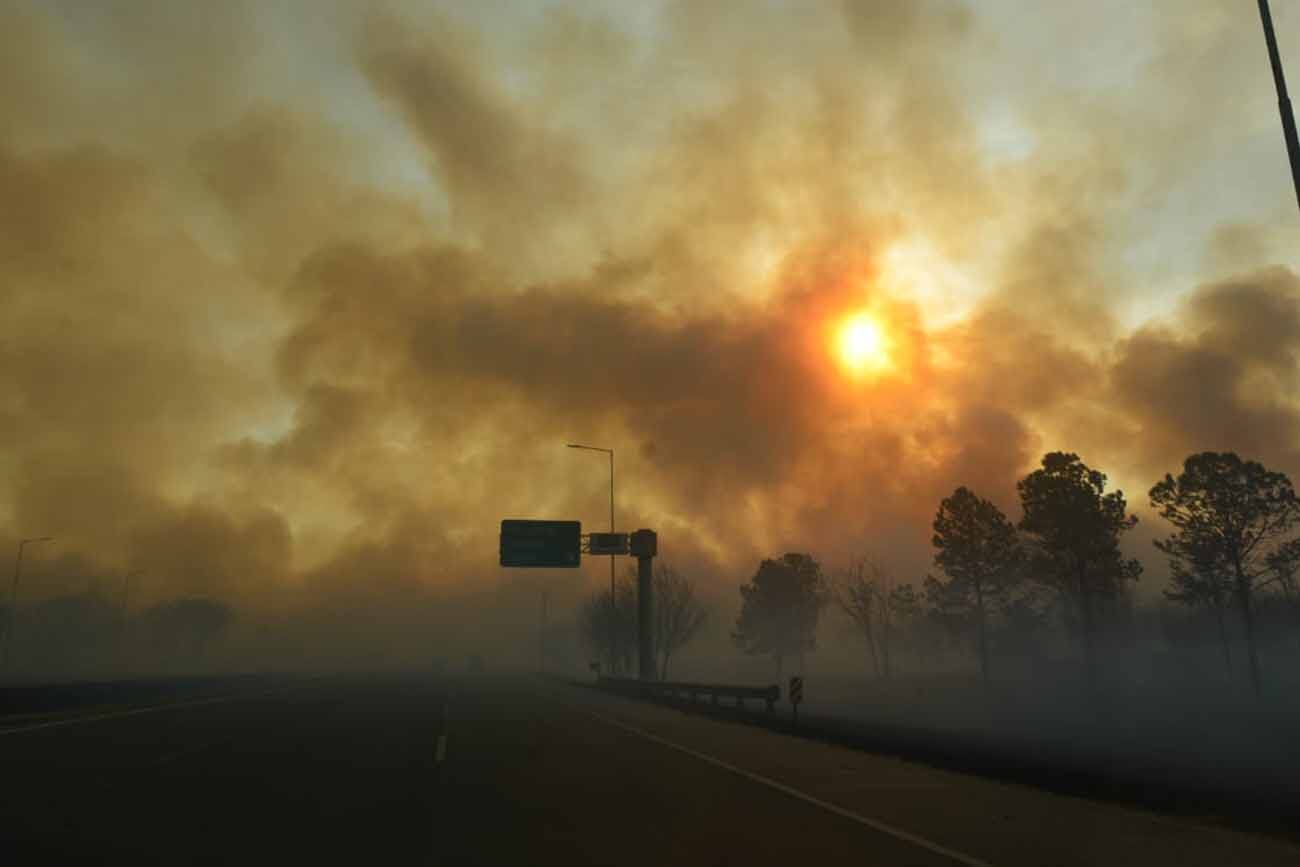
(609, 452)
(13, 593)
(1283, 100)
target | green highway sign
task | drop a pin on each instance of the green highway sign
(541, 544)
(607, 543)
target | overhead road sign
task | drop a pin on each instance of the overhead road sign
(541, 544)
(607, 543)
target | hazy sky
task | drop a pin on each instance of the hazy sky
(311, 294)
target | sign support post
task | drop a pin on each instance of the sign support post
(644, 546)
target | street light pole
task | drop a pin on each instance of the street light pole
(13, 594)
(612, 608)
(1283, 100)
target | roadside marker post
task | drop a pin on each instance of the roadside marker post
(796, 696)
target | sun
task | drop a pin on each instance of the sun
(862, 345)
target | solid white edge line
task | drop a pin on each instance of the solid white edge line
(874, 824)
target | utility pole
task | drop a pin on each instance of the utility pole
(1283, 100)
(13, 595)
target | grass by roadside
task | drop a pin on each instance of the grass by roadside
(1235, 798)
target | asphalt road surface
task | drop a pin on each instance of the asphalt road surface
(501, 770)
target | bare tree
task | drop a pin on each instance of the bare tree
(866, 593)
(855, 593)
(607, 626)
(185, 629)
(904, 607)
(608, 629)
(593, 628)
(678, 614)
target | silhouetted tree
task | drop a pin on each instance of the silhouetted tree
(918, 626)
(780, 608)
(593, 621)
(978, 550)
(678, 614)
(607, 626)
(67, 633)
(1023, 617)
(946, 609)
(1230, 515)
(1199, 579)
(1284, 565)
(1075, 528)
(904, 611)
(610, 631)
(625, 640)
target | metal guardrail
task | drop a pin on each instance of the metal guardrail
(670, 690)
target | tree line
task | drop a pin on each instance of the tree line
(1234, 538)
(87, 631)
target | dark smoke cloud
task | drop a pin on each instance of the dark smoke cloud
(1226, 380)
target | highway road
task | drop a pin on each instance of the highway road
(517, 770)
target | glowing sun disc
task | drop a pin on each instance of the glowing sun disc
(862, 345)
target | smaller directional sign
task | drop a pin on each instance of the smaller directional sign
(541, 544)
(607, 543)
